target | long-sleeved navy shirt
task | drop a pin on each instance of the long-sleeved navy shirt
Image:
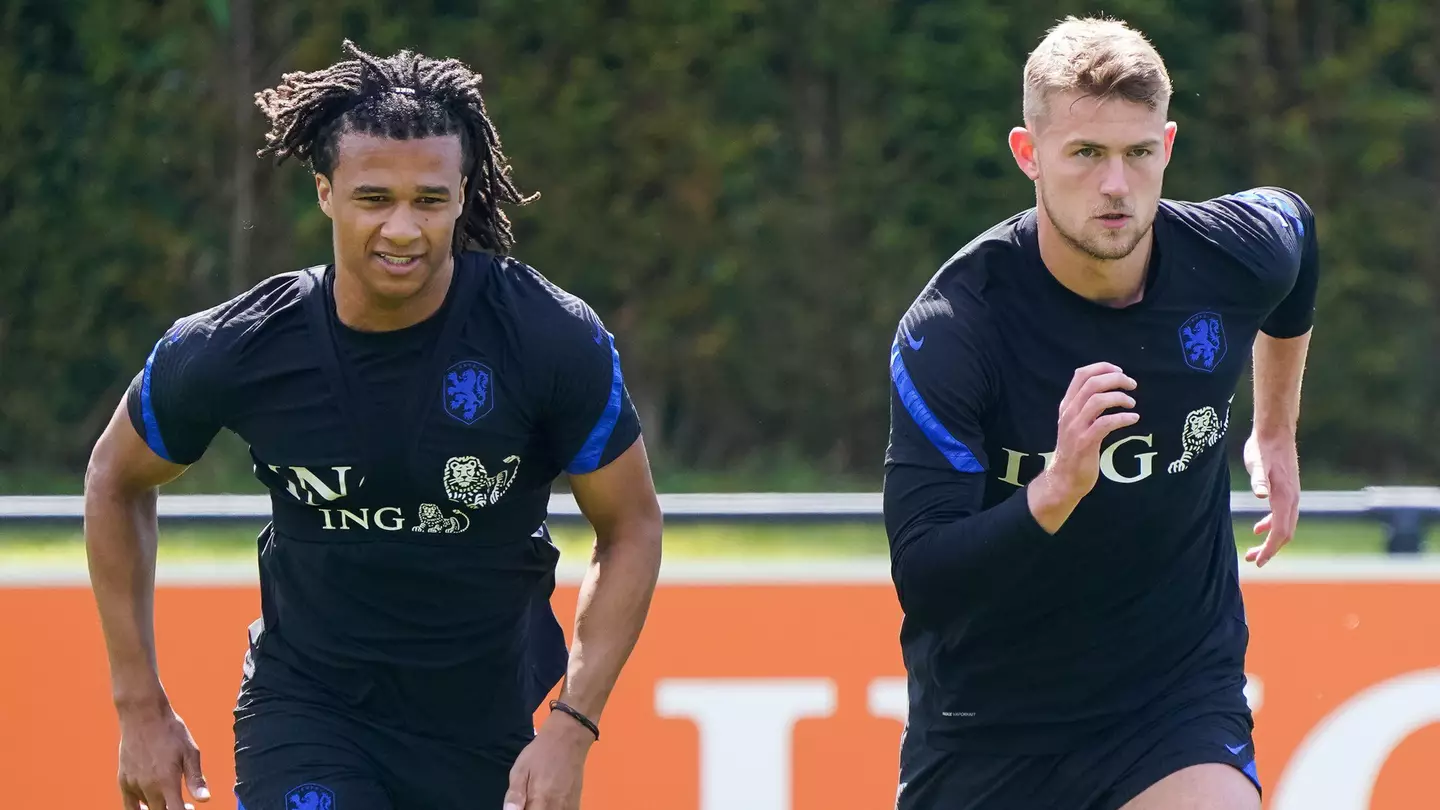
(1017, 640)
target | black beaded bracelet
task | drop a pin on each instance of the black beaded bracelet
(579, 718)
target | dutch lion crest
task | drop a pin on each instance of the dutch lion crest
(310, 797)
(1202, 338)
(468, 391)
(468, 483)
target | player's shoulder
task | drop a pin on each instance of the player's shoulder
(998, 250)
(1261, 210)
(1264, 223)
(544, 314)
(956, 302)
(227, 325)
(1278, 206)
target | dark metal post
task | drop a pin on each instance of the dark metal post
(1405, 530)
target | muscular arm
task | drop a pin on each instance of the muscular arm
(1271, 456)
(157, 751)
(1284, 337)
(164, 424)
(595, 434)
(619, 501)
(1279, 369)
(121, 533)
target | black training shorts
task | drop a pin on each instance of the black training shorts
(293, 754)
(1102, 776)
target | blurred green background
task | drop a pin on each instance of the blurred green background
(749, 192)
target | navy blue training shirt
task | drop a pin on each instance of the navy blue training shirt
(1018, 641)
(407, 571)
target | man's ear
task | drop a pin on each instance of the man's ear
(1022, 148)
(324, 190)
(1170, 129)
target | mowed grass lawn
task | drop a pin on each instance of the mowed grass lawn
(684, 541)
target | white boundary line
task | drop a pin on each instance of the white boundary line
(718, 506)
(858, 571)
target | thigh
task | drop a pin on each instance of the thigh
(1204, 762)
(1199, 787)
(934, 779)
(425, 773)
(294, 757)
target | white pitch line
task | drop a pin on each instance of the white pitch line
(720, 506)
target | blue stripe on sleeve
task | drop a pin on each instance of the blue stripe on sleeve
(950, 447)
(1279, 203)
(588, 459)
(147, 409)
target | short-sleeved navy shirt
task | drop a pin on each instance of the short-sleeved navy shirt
(408, 567)
(1135, 600)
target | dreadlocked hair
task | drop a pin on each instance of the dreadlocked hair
(404, 96)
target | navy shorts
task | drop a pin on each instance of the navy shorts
(1103, 776)
(292, 754)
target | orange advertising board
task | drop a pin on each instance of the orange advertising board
(767, 693)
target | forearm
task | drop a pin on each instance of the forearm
(943, 566)
(1279, 369)
(614, 600)
(120, 544)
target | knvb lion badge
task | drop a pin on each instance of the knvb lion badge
(310, 797)
(468, 391)
(1202, 339)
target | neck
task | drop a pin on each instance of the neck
(1111, 282)
(361, 309)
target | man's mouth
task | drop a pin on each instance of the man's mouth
(398, 261)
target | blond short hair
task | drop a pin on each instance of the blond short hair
(1095, 57)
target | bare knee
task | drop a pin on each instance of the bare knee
(1212, 786)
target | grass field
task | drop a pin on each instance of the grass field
(769, 541)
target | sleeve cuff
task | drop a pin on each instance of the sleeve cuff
(1017, 519)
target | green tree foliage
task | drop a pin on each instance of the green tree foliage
(750, 192)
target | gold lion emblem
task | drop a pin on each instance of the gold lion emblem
(468, 483)
(1203, 428)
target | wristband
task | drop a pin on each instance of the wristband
(579, 718)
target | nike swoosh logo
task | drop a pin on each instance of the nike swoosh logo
(914, 344)
(1235, 749)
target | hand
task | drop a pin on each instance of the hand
(1083, 425)
(1274, 468)
(549, 772)
(156, 753)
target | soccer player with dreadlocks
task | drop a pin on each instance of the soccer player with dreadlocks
(408, 407)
